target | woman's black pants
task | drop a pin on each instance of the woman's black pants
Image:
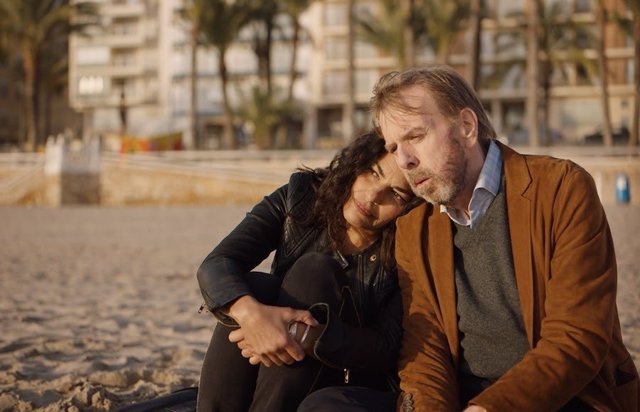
(229, 383)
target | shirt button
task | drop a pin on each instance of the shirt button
(373, 258)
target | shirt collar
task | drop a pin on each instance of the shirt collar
(485, 190)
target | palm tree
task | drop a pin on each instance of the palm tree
(601, 21)
(550, 44)
(557, 36)
(349, 108)
(444, 21)
(630, 25)
(194, 11)
(408, 39)
(634, 6)
(294, 8)
(28, 27)
(262, 14)
(223, 22)
(262, 112)
(386, 30)
(54, 79)
(477, 14)
(533, 77)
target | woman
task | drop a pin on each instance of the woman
(330, 312)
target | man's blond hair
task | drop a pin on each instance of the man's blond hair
(446, 86)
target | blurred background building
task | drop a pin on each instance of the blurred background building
(547, 63)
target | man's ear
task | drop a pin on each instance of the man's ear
(469, 125)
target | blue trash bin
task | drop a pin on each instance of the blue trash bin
(622, 189)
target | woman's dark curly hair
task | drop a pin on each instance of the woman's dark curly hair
(334, 187)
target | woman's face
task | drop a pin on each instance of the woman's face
(377, 197)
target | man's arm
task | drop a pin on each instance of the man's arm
(579, 279)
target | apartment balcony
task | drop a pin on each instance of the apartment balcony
(137, 98)
(123, 10)
(113, 70)
(124, 40)
(111, 99)
(130, 70)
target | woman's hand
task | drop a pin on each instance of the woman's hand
(263, 336)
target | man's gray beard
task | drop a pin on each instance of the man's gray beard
(442, 193)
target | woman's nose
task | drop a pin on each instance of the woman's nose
(376, 194)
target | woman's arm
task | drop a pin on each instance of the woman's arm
(221, 274)
(262, 335)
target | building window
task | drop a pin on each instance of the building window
(335, 49)
(124, 59)
(87, 56)
(334, 83)
(335, 14)
(124, 27)
(364, 81)
(90, 85)
(583, 6)
(364, 50)
(510, 8)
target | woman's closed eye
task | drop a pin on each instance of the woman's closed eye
(399, 196)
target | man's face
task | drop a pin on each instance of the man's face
(427, 146)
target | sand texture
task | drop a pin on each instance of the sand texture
(98, 306)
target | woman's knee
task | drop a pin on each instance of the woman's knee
(313, 278)
(315, 269)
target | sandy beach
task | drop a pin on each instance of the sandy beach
(99, 306)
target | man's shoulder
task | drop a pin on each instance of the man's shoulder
(539, 166)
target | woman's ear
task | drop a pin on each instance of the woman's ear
(469, 125)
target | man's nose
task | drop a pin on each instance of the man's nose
(405, 158)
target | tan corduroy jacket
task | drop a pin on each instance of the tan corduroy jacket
(565, 270)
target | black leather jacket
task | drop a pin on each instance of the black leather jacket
(270, 225)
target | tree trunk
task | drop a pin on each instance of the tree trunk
(476, 30)
(532, 73)
(545, 133)
(601, 18)
(47, 114)
(228, 135)
(442, 54)
(349, 105)
(263, 53)
(635, 127)
(268, 53)
(30, 66)
(407, 57)
(193, 114)
(294, 57)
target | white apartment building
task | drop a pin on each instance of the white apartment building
(140, 60)
(575, 108)
(143, 50)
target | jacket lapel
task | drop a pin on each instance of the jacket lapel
(519, 211)
(440, 262)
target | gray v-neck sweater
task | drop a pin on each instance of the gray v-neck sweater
(492, 333)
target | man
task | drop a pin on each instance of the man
(508, 274)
